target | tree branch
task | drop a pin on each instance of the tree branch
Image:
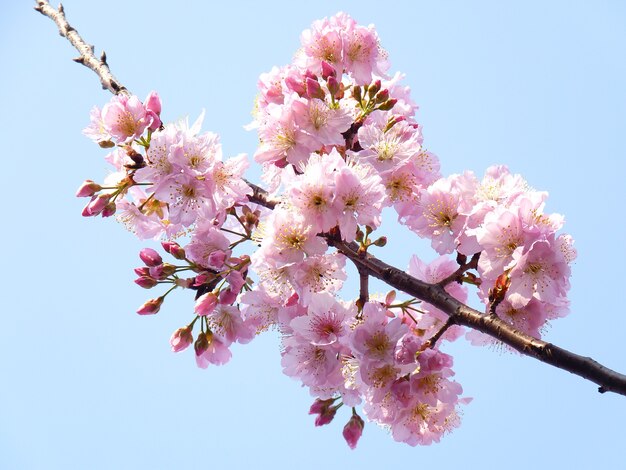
(87, 56)
(368, 265)
(608, 380)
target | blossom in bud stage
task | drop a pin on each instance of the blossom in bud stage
(151, 306)
(324, 410)
(174, 249)
(88, 189)
(152, 104)
(353, 430)
(146, 282)
(96, 205)
(181, 339)
(205, 304)
(150, 257)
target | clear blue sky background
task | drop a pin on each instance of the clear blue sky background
(88, 384)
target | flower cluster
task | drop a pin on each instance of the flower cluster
(523, 269)
(338, 142)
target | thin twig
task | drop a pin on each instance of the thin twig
(87, 56)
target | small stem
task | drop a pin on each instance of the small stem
(434, 338)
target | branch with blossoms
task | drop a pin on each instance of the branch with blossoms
(338, 143)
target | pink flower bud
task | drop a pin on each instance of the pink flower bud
(151, 306)
(153, 110)
(390, 297)
(228, 296)
(88, 189)
(328, 70)
(325, 411)
(142, 271)
(205, 304)
(146, 282)
(313, 89)
(181, 339)
(174, 249)
(96, 205)
(150, 257)
(353, 430)
(333, 86)
(203, 342)
(109, 209)
(295, 85)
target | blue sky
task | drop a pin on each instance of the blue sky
(87, 383)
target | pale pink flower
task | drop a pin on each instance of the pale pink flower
(312, 195)
(316, 366)
(210, 349)
(230, 188)
(321, 121)
(281, 139)
(96, 130)
(359, 199)
(325, 322)
(125, 118)
(226, 321)
(542, 272)
(319, 273)
(188, 198)
(290, 237)
(437, 215)
(208, 247)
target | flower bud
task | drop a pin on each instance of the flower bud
(106, 144)
(205, 304)
(313, 89)
(109, 209)
(181, 339)
(325, 411)
(333, 86)
(174, 249)
(353, 430)
(382, 241)
(151, 306)
(96, 205)
(373, 89)
(328, 71)
(356, 93)
(387, 105)
(382, 96)
(146, 282)
(150, 257)
(88, 189)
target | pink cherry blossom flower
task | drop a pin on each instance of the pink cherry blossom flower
(125, 118)
(319, 273)
(322, 121)
(208, 247)
(325, 323)
(205, 304)
(315, 366)
(210, 349)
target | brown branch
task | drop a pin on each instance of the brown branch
(364, 294)
(457, 275)
(435, 294)
(608, 380)
(87, 56)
